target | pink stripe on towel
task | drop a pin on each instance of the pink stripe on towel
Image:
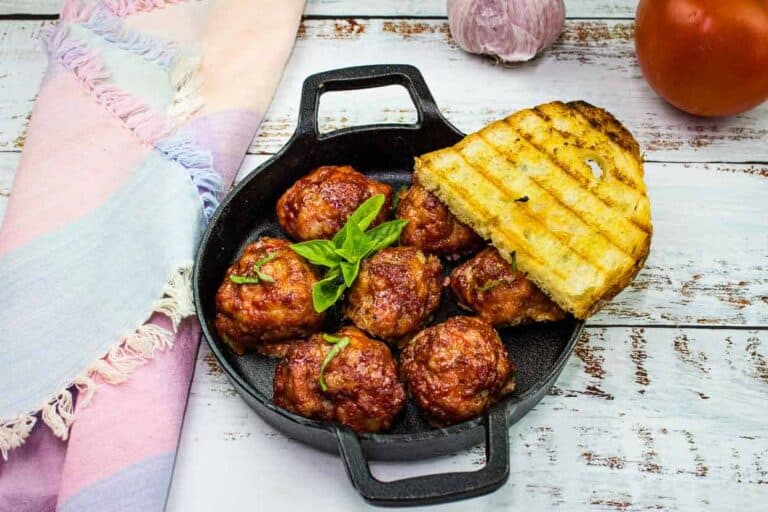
(44, 201)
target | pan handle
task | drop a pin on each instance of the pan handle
(430, 489)
(366, 77)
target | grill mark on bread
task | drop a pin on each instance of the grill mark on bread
(464, 193)
(565, 221)
(556, 193)
(511, 195)
(635, 182)
(611, 171)
(604, 121)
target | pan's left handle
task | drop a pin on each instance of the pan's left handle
(366, 77)
(430, 489)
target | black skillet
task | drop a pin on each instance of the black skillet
(386, 153)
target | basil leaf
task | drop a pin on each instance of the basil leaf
(384, 235)
(398, 196)
(265, 278)
(355, 244)
(330, 338)
(490, 285)
(317, 252)
(362, 217)
(349, 271)
(269, 257)
(325, 293)
(337, 348)
(244, 279)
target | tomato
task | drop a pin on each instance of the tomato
(707, 57)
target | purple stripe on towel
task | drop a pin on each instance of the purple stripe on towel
(142, 486)
(30, 478)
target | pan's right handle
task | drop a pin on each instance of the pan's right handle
(366, 77)
(429, 489)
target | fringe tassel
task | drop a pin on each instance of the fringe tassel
(111, 28)
(90, 71)
(75, 11)
(199, 162)
(115, 367)
(127, 7)
(13, 433)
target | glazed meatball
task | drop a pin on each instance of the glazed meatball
(396, 292)
(432, 227)
(265, 300)
(488, 285)
(363, 391)
(456, 370)
(318, 205)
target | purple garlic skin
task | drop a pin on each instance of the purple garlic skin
(511, 30)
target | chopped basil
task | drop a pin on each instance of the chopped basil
(339, 343)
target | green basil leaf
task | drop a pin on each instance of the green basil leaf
(355, 243)
(490, 285)
(269, 257)
(330, 338)
(362, 217)
(349, 271)
(317, 252)
(244, 279)
(337, 348)
(384, 235)
(265, 278)
(325, 293)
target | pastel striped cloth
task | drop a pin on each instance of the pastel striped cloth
(142, 120)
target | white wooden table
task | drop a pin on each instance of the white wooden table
(664, 405)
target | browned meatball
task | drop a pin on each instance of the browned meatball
(431, 226)
(269, 314)
(488, 285)
(456, 370)
(363, 391)
(396, 292)
(318, 205)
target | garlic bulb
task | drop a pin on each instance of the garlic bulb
(511, 30)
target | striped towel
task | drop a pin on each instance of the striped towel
(142, 120)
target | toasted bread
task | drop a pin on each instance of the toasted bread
(526, 184)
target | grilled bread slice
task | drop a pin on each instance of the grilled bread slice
(561, 186)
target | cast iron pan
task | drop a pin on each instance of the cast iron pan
(385, 152)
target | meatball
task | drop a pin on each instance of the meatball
(265, 301)
(456, 370)
(488, 285)
(432, 227)
(396, 292)
(363, 391)
(318, 205)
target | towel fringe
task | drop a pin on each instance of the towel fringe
(87, 67)
(75, 11)
(14, 432)
(115, 367)
(128, 7)
(111, 28)
(199, 163)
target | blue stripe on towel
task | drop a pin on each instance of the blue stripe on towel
(69, 296)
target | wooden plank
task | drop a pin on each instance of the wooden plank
(593, 61)
(344, 8)
(640, 419)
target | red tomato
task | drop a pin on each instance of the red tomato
(707, 57)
